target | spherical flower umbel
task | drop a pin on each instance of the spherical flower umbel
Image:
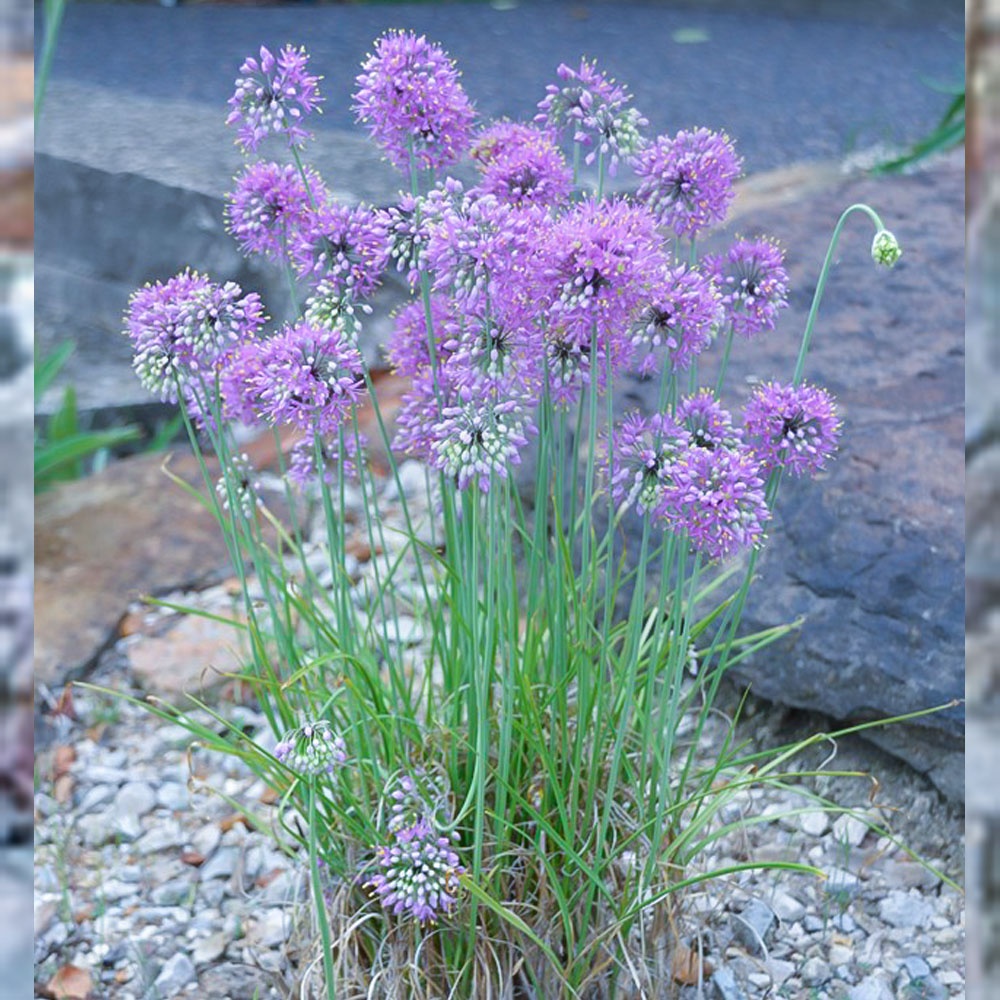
(717, 498)
(182, 328)
(753, 282)
(792, 427)
(642, 451)
(687, 180)
(885, 249)
(344, 246)
(312, 749)
(596, 108)
(242, 486)
(273, 95)
(679, 320)
(481, 435)
(602, 260)
(417, 874)
(529, 171)
(305, 375)
(708, 422)
(503, 136)
(269, 206)
(409, 95)
(408, 349)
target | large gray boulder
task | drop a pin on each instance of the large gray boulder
(871, 554)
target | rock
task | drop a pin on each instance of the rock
(190, 657)
(841, 885)
(754, 925)
(97, 829)
(211, 948)
(815, 972)
(136, 798)
(902, 873)
(173, 795)
(270, 928)
(206, 839)
(726, 987)
(849, 830)
(177, 972)
(220, 865)
(164, 835)
(787, 907)
(905, 909)
(177, 892)
(238, 982)
(93, 797)
(916, 967)
(814, 823)
(114, 889)
(870, 554)
(871, 988)
(161, 539)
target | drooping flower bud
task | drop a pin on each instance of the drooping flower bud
(885, 249)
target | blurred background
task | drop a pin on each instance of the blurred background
(983, 497)
(16, 224)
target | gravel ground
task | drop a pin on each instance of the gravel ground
(149, 886)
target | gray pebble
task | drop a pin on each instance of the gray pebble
(220, 865)
(754, 926)
(173, 795)
(177, 972)
(725, 985)
(904, 909)
(871, 988)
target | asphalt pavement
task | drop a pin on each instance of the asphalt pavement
(789, 82)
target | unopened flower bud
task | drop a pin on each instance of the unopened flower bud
(885, 248)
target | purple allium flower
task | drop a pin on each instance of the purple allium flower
(329, 308)
(602, 260)
(336, 460)
(708, 422)
(493, 346)
(480, 247)
(687, 180)
(500, 137)
(596, 108)
(410, 98)
(273, 95)
(481, 434)
(408, 804)
(753, 282)
(243, 485)
(417, 874)
(527, 171)
(183, 328)
(346, 247)
(642, 451)
(406, 227)
(408, 350)
(269, 206)
(313, 748)
(717, 497)
(305, 375)
(792, 427)
(679, 317)
(568, 368)
(421, 412)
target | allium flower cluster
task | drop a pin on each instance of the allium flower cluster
(273, 95)
(270, 206)
(329, 308)
(182, 328)
(753, 282)
(408, 349)
(339, 455)
(602, 260)
(305, 375)
(717, 498)
(312, 749)
(500, 137)
(527, 171)
(792, 427)
(481, 434)
(345, 247)
(417, 874)
(642, 452)
(409, 96)
(708, 423)
(406, 228)
(596, 109)
(687, 180)
(679, 319)
(242, 486)
(490, 347)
